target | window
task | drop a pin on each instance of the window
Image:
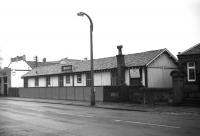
(25, 82)
(135, 77)
(48, 83)
(79, 79)
(36, 81)
(60, 80)
(88, 79)
(191, 74)
(67, 79)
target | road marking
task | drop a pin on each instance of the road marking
(78, 115)
(150, 124)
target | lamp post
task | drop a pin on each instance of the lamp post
(92, 99)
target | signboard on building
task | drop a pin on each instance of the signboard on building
(18, 58)
(134, 73)
(67, 68)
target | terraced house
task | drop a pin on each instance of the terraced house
(149, 69)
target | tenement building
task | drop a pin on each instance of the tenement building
(149, 69)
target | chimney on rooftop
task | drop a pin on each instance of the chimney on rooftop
(119, 47)
(120, 66)
(44, 60)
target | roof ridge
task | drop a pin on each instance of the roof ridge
(190, 48)
(130, 54)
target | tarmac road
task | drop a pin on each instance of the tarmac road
(20, 118)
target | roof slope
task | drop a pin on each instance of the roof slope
(131, 60)
(32, 64)
(193, 50)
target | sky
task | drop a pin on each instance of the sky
(52, 29)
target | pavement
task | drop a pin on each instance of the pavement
(167, 109)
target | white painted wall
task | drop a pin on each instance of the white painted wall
(53, 80)
(16, 80)
(127, 77)
(102, 79)
(31, 82)
(143, 77)
(159, 72)
(68, 84)
(42, 82)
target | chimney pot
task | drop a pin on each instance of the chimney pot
(119, 47)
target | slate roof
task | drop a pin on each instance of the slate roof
(131, 60)
(193, 50)
(32, 64)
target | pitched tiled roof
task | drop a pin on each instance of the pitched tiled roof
(193, 50)
(32, 64)
(131, 60)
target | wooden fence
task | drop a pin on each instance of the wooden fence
(60, 93)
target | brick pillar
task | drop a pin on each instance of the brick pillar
(177, 87)
(120, 67)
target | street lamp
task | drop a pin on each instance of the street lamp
(92, 100)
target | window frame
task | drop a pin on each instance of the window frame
(60, 81)
(79, 78)
(67, 79)
(188, 72)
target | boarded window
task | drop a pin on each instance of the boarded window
(134, 73)
(135, 77)
(191, 74)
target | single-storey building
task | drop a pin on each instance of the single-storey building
(149, 69)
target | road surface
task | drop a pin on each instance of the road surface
(19, 118)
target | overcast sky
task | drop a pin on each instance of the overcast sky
(52, 29)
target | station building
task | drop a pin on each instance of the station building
(150, 69)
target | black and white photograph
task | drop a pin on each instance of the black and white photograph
(100, 68)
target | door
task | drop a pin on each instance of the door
(5, 86)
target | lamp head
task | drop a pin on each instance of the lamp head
(80, 14)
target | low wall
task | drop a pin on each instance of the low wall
(59, 93)
(137, 94)
(105, 93)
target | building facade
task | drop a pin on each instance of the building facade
(189, 65)
(149, 69)
(5, 81)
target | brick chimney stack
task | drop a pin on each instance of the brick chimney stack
(120, 67)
